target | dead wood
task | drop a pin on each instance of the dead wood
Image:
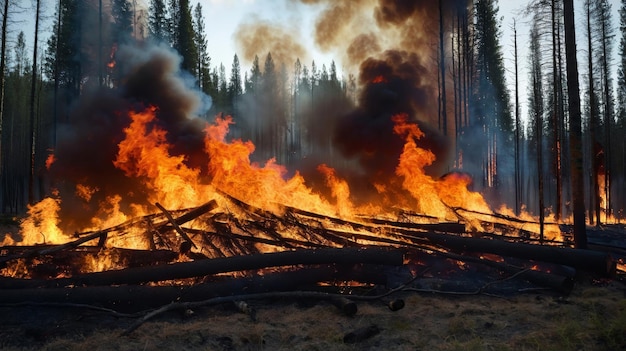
(74, 262)
(447, 227)
(201, 268)
(587, 260)
(140, 297)
(345, 305)
(252, 296)
(188, 216)
(35, 252)
(175, 225)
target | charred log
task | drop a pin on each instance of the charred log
(587, 260)
(141, 297)
(203, 268)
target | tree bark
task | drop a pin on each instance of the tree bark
(575, 140)
(597, 262)
(32, 129)
(182, 270)
(141, 297)
(3, 47)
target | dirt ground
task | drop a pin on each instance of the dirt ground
(592, 317)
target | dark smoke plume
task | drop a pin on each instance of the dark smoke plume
(389, 45)
(88, 141)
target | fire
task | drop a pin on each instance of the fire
(145, 155)
(262, 186)
(340, 190)
(111, 63)
(434, 197)
(49, 161)
(379, 79)
(41, 225)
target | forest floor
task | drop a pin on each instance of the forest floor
(592, 317)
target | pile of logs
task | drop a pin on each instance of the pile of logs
(230, 248)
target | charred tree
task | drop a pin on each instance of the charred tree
(32, 126)
(442, 68)
(575, 139)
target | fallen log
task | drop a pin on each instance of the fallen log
(133, 298)
(592, 261)
(74, 262)
(51, 249)
(448, 227)
(189, 216)
(201, 268)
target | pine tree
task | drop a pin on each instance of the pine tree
(536, 104)
(157, 22)
(235, 90)
(492, 110)
(573, 89)
(203, 59)
(604, 27)
(184, 33)
(122, 13)
(619, 149)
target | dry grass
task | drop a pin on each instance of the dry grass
(591, 318)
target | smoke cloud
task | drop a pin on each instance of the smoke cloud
(260, 38)
(88, 142)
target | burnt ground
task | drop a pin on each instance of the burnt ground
(592, 317)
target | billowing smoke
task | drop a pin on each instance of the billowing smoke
(390, 45)
(392, 85)
(260, 38)
(88, 142)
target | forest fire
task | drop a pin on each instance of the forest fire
(146, 191)
(145, 155)
(144, 159)
(235, 185)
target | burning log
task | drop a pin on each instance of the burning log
(189, 216)
(49, 250)
(141, 297)
(446, 227)
(175, 225)
(182, 270)
(592, 261)
(81, 260)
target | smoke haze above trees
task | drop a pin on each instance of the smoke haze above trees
(385, 59)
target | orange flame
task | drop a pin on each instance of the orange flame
(340, 190)
(145, 155)
(111, 63)
(264, 186)
(49, 161)
(379, 79)
(434, 197)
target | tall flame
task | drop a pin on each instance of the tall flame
(145, 154)
(434, 197)
(263, 186)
